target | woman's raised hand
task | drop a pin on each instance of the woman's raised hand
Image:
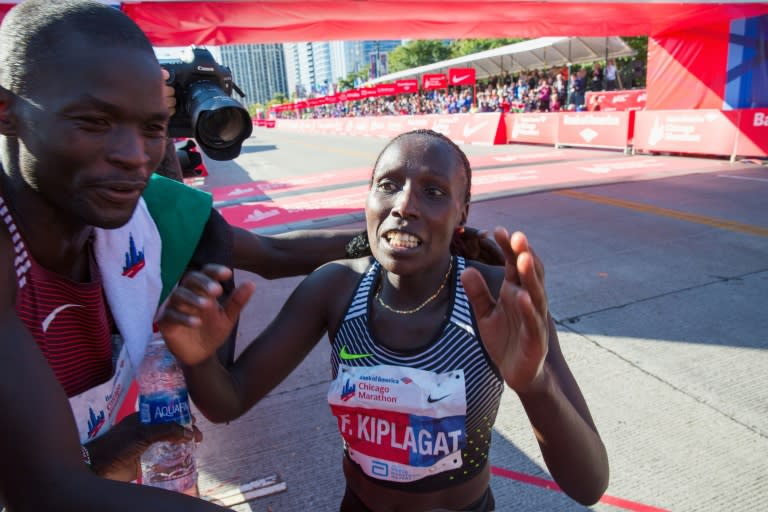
(193, 323)
(514, 322)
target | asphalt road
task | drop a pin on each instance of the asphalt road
(658, 281)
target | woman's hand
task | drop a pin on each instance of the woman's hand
(513, 325)
(193, 323)
(117, 454)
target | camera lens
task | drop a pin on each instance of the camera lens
(220, 128)
(221, 123)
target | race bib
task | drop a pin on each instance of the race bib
(97, 409)
(400, 424)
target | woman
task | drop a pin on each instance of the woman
(418, 374)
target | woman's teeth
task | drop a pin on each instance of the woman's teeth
(402, 240)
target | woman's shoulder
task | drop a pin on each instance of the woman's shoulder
(340, 276)
(331, 287)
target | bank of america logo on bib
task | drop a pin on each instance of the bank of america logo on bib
(400, 424)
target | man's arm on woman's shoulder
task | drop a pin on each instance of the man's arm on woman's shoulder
(290, 254)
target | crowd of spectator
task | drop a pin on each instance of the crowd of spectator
(546, 90)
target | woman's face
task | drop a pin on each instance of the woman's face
(416, 201)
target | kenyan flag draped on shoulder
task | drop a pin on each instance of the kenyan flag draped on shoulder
(180, 214)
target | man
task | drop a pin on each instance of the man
(90, 243)
(83, 121)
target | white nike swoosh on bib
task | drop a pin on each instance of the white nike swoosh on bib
(55, 312)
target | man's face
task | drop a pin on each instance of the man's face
(91, 131)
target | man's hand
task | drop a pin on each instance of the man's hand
(169, 93)
(117, 454)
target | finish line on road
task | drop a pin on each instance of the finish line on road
(552, 486)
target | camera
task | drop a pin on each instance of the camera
(205, 108)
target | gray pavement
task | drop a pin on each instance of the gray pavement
(661, 312)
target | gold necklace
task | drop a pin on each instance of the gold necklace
(420, 306)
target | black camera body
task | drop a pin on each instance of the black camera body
(205, 109)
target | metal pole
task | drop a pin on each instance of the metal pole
(568, 80)
(605, 80)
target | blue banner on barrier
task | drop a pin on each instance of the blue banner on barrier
(747, 79)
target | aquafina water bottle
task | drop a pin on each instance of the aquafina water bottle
(163, 399)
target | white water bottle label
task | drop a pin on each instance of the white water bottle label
(165, 407)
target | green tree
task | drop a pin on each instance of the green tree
(417, 53)
(462, 47)
(349, 82)
(277, 98)
(640, 45)
(632, 70)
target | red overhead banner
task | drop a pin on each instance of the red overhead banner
(407, 86)
(366, 92)
(430, 82)
(172, 23)
(461, 76)
(181, 23)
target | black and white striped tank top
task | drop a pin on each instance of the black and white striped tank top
(458, 347)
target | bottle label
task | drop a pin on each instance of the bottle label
(165, 407)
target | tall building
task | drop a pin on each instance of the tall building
(308, 66)
(313, 67)
(258, 69)
(353, 56)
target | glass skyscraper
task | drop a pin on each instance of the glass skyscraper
(314, 67)
(258, 69)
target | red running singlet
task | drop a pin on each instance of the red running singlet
(68, 320)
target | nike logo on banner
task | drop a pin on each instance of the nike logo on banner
(55, 312)
(469, 130)
(459, 78)
(349, 357)
(433, 400)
